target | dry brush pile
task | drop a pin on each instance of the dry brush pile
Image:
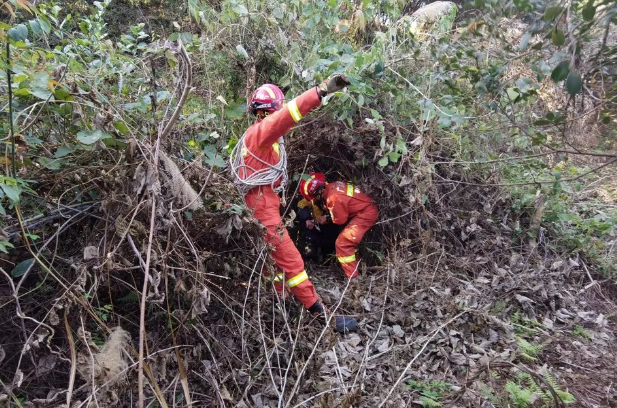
(148, 290)
(455, 303)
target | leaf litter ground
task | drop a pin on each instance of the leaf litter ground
(455, 304)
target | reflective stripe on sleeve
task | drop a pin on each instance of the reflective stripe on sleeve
(298, 279)
(277, 148)
(346, 259)
(350, 190)
(294, 111)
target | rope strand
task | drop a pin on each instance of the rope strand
(247, 177)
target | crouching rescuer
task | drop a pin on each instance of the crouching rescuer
(346, 204)
(258, 163)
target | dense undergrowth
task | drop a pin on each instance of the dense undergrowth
(485, 133)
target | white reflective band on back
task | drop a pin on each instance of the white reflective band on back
(298, 279)
(294, 111)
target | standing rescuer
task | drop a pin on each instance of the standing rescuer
(258, 163)
(346, 204)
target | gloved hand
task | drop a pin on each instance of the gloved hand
(333, 84)
(342, 324)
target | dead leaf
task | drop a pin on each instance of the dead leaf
(46, 364)
(417, 141)
(523, 300)
(398, 331)
(202, 302)
(91, 252)
(19, 378)
(384, 345)
(225, 394)
(457, 358)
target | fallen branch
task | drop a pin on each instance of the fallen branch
(69, 336)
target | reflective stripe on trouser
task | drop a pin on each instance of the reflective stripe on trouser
(265, 205)
(349, 239)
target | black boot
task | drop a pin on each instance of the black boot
(342, 324)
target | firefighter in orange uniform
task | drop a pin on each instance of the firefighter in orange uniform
(346, 204)
(258, 163)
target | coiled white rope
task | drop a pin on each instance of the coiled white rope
(247, 177)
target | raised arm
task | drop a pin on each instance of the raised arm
(267, 132)
(275, 125)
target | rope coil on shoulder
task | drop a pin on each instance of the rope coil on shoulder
(247, 177)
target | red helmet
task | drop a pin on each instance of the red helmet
(309, 187)
(268, 98)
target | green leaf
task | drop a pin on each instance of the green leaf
(360, 100)
(51, 164)
(61, 93)
(574, 83)
(5, 244)
(35, 27)
(21, 268)
(379, 66)
(91, 136)
(241, 10)
(589, 11)
(552, 12)
(22, 92)
(41, 93)
(45, 26)
(561, 71)
(121, 127)
(19, 32)
(393, 157)
(241, 51)
(12, 192)
(212, 157)
(542, 122)
(187, 38)
(512, 94)
(62, 151)
(558, 37)
(40, 85)
(383, 162)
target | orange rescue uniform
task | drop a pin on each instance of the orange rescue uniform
(347, 203)
(261, 139)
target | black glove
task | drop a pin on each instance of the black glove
(333, 84)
